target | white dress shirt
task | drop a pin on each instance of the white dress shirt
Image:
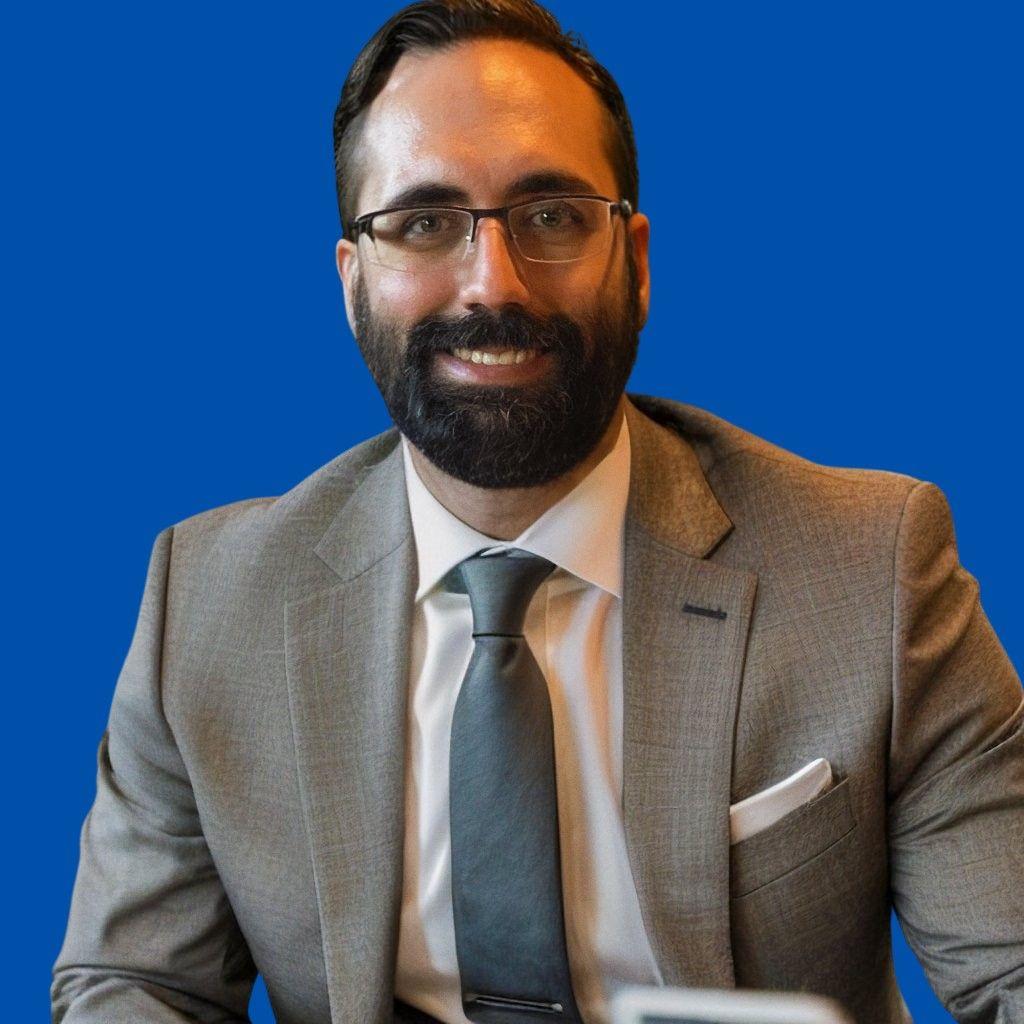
(574, 629)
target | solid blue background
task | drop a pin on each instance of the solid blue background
(836, 207)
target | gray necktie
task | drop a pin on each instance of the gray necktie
(506, 869)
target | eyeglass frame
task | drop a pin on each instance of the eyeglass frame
(362, 225)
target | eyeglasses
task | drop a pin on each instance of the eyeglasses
(557, 229)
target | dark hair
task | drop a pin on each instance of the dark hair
(436, 24)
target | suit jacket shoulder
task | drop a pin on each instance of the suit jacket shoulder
(309, 505)
(778, 500)
(241, 563)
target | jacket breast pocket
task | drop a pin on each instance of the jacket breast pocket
(792, 841)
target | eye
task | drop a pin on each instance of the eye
(427, 222)
(554, 215)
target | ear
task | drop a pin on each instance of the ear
(346, 257)
(639, 238)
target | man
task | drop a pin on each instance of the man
(464, 726)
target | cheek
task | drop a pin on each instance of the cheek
(410, 297)
(577, 290)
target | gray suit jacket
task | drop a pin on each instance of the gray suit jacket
(249, 803)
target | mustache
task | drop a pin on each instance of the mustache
(510, 328)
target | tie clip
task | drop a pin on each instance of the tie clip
(507, 1003)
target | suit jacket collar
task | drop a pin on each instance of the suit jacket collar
(669, 496)
(685, 623)
(373, 522)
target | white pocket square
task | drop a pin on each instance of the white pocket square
(754, 813)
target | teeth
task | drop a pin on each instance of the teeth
(506, 357)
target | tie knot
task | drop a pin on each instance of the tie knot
(500, 588)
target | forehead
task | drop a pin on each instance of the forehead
(477, 116)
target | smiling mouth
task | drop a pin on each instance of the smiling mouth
(496, 364)
(495, 356)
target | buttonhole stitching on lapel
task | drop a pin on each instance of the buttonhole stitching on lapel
(710, 613)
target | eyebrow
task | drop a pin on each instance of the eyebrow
(535, 183)
(541, 182)
(425, 194)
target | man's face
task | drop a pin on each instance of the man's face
(490, 123)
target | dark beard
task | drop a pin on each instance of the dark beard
(496, 436)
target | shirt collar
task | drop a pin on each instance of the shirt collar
(581, 533)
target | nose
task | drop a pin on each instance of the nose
(491, 274)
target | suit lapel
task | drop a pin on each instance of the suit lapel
(685, 625)
(347, 661)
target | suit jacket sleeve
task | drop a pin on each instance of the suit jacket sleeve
(151, 935)
(956, 776)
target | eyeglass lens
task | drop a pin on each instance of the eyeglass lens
(548, 231)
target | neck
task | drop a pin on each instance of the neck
(503, 513)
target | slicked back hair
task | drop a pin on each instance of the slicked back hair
(437, 24)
